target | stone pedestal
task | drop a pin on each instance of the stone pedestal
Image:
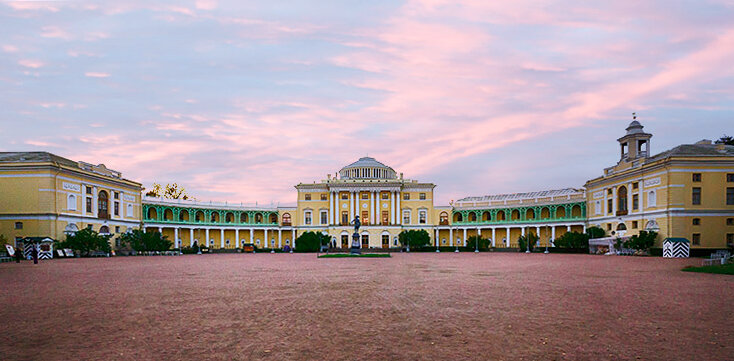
(356, 244)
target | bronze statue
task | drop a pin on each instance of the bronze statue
(356, 224)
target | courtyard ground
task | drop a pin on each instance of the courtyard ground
(488, 306)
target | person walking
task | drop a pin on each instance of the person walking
(18, 254)
(34, 253)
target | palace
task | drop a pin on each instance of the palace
(685, 192)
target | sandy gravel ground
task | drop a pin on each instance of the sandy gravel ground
(410, 307)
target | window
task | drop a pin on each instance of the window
(651, 199)
(422, 196)
(609, 226)
(730, 221)
(406, 217)
(345, 218)
(635, 185)
(117, 195)
(406, 196)
(385, 218)
(129, 210)
(18, 225)
(422, 217)
(117, 229)
(365, 196)
(89, 205)
(89, 226)
(323, 197)
(622, 200)
(729, 239)
(365, 218)
(88, 189)
(697, 221)
(345, 195)
(385, 195)
(385, 241)
(286, 219)
(730, 196)
(71, 202)
(696, 195)
(696, 177)
(443, 218)
(635, 201)
(117, 208)
(597, 207)
(324, 217)
(102, 205)
(634, 224)
(307, 217)
(307, 196)
(609, 191)
(696, 239)
(609, 205)
(730, 177)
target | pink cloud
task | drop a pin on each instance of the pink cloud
(29, 63)
(92, 74)
(54, 32)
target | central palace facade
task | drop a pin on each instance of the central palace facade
(687, 192)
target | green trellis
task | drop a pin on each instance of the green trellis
(476, 216)
(251, 217)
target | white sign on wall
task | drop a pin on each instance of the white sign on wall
(652, 182)
(72, 187)
(599, 194)
(128, 198)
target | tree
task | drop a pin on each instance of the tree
(572, 240)
(471, 242)
(171, 191)
(595, 232)
(523, 241)
(311, 241)
(3, 242)
(86, 241)
(726, 139)
(642, 241)
(146, 241)
(414, 238)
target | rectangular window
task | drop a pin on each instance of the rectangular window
(729, 196)
(696, 239)
(345, 195)
(323, 197)
(422, 217)
(345, 218)
(635, 201)
(730, 221)
(597, 207)
(89, 205)
(117, 229)
(88, 189)
(609, 205)
(696, 177)
(365, 196)
(365, 218)
(406, 196)
(307, 218)
(307, 196)
(117, 208)
(385, 195)
(635, 185)
(89, 226)
(634, 224)
(117, 195)
(324, 217)
(18, 225)
(406, 217)
(609, 191)
(730, 177)
(422, 196)
(385, 218)
(609, 226)
(729, 239)
(696, 195)
(697, 221)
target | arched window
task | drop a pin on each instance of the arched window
(129, 210)
(199, 216)
(576, 211)
(104, 230)
(530, 214)
(102, 205)
(621, 227)
(443, 218)
(651, 199)
(214, 217)
(71, 202)
(229, 218)
(273, 218)
(168, 215)
(183, 216)
(71, 229)
(458, 217)
(152, 213)
(258, 218)
(561, 212)
(286, 219)
(501, 216)
(244, 217)
(472, 217)
(544, 213)
(515, 215)
(622, 200)
(486, 216)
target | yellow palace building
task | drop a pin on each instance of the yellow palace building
(685, 192)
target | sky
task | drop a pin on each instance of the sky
(239, 101)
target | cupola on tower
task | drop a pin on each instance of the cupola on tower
(636, 143)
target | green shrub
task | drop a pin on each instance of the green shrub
(311, 241)
(572, 240)
(595, 232)
(471, 242)
(524, 240)
(86, 241)
(414, 238)
(642, 241)
(146, 241)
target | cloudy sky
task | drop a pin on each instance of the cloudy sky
(241, 100)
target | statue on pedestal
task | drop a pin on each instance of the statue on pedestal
(356, 245)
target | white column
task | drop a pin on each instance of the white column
(437, 237)
(451, 236)
(507, 236)
(614, 201)
(464, 236)
(604, 207)
(337, 210)
(640, 197)
(493, 237)
(351, 206)
(175, 237)
(629, 198)
(207, 238)
(400, 210)
(331, 208)
(252, 236)
(378, 212)
(553, 235)
(583, 225)
(237, 238)
(191, 237)
(160, 230)
(280, 239)
(568, 227)
(522, 231)
(267, 241)
(221, 238)
(372, 207)
(95, 205)
(392, 207)
(293, 238)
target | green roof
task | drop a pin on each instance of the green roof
(676, 240)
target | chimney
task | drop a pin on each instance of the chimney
(704, 142)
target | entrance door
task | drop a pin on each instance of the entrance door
(345, 241)
(365, 241)
(385, 241)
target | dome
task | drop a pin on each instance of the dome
(367, 168)
(634, 127)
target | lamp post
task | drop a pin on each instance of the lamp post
(457, 245)
(527, 243)
(476, 244)
(549, 239)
